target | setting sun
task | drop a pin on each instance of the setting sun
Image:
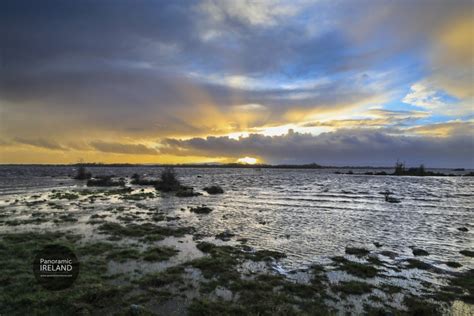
(247, 160)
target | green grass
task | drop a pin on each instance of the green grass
(64, 196)
(143, 230)
(159, 253)
(361, 270)
(20, 294)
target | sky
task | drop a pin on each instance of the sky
(334, 82)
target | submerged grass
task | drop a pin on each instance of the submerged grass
(355, 268)
(353, 287)
(20, 294)
(159, 253)
(146, 231)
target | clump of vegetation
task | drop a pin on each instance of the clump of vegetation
(420, 307)
(353, 287)
(419, 252)
(65, 218)
(360, 269)
(417, 264)
(159, 253)
(466, 282)
(138, 196)
(64, 196)
(122, 255)
(390, 288)
(262, 294)
(467, 253)
(138, 180)
(357, 251)
(401, 170)
(154, 280)
(187, 192)
(225, 235)
(389, 254)
(453, 264)
(214, 189)
(147, 231)
(82, 174)
(201, 209)
(168, 181)
(355, 268)
(267, 255)
(105, 181)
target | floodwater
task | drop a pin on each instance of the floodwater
(307, 214)
(310, 215)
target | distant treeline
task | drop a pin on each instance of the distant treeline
(399, 169)
(227, 165)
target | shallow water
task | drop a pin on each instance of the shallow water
(310, 215)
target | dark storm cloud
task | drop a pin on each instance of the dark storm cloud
(344, 147)
(104, 54)
(77, 71)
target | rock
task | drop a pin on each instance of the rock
(463, 229)
(201, 210)
(419, 252)
(215, 189)
(377, 244)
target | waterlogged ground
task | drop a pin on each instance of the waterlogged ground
(281, 242)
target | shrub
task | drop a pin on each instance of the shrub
(168, 181)
(82, 174)
(215, 189)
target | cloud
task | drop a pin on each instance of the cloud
(73, 72)
(424, 96)
(448, 129)
(119, 148)
(453, 56)
(343, 147)
(380, 118)
(255, 13)
(40, 143)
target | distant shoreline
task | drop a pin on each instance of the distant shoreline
(230, 165)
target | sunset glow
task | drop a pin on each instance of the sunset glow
(237, 157)
(213, 81)
(247, 160)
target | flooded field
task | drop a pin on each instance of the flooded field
(308, 242)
